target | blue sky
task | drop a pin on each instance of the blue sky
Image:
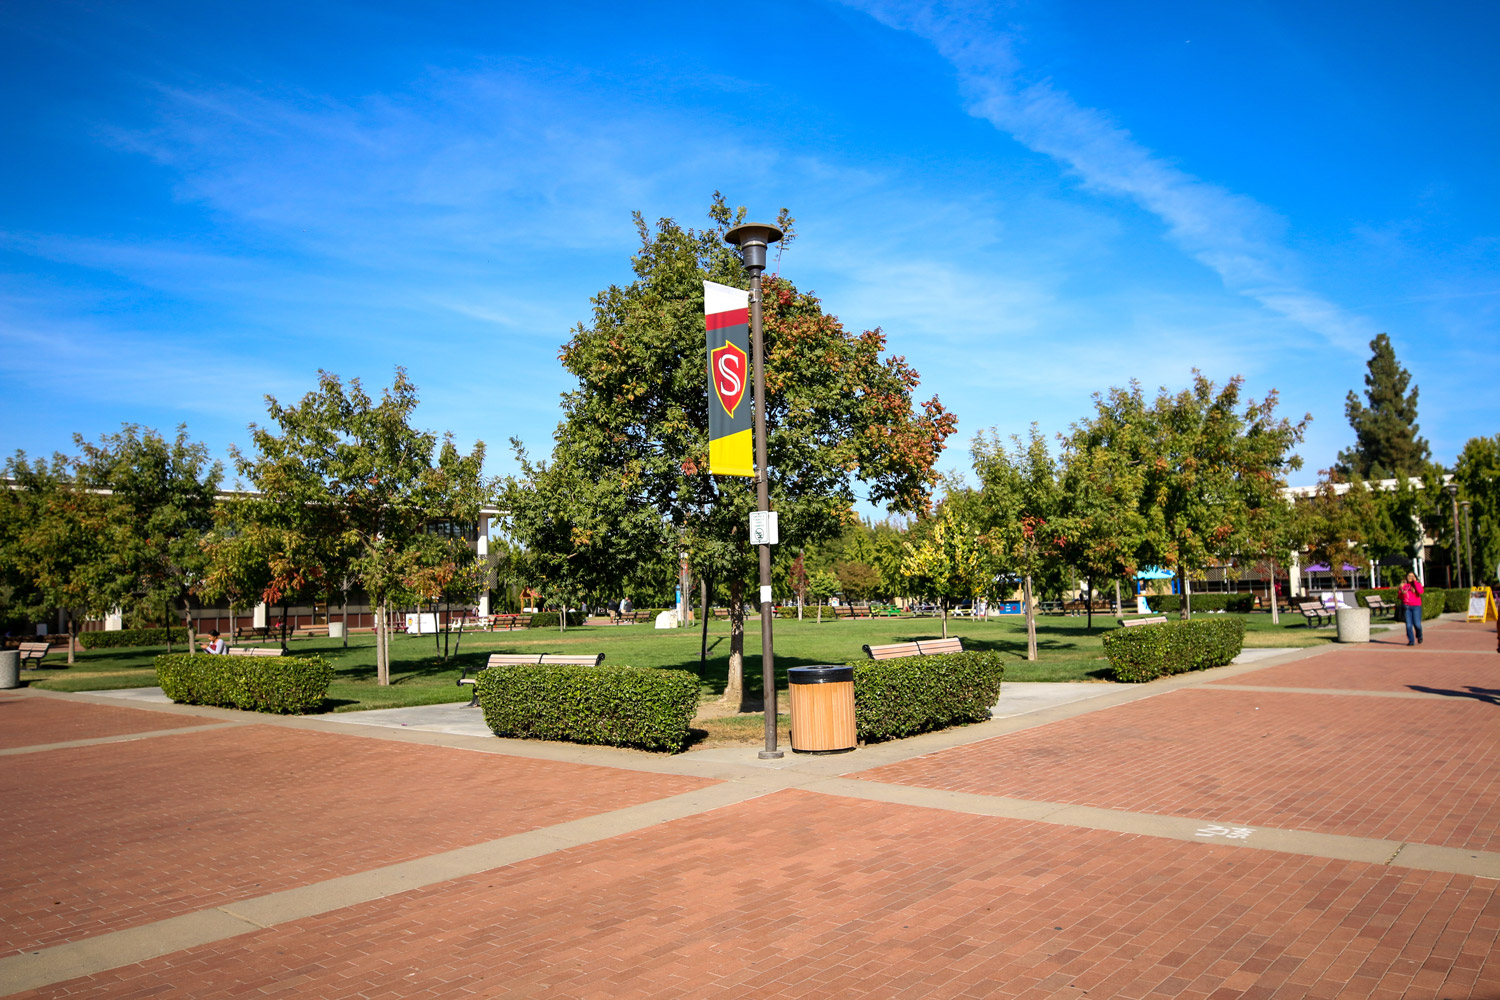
(204, 203)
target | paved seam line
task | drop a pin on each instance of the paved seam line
(1339, 847)
(1341, 692)
(45, 966)
(122, 738)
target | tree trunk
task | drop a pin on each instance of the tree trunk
(1186, 610)
(1030, 617)
(344, 611)
(1119, 608)
(382, 645)
(734, 684)
(70, 637)
(169, 627)
(703, 605)
(1271, 590)
(820, 611)
(943, 614)
(1088, 604)
(283, 626)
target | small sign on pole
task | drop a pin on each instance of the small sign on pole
(763, 528)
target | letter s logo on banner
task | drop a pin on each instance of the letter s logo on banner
(730, 366)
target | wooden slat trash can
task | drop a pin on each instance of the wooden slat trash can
(822, 708)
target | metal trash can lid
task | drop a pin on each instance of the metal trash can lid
(821, 673)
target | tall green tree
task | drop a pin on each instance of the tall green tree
(50, 557)
(952, 562)
(1209, 467)
(1386, 443)
(164, 495)
(1477, 473)
(839, 413)
(1022, 503)
(355, 479)
(1102, 522)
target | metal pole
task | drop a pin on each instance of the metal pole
(752, 241)
(1457, 560)
(1469, 541)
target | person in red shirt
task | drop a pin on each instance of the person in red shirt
(1409, 597)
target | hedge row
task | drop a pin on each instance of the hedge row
(548, 619)
(130, 637)
(1435, 600)
(1239, 604)
(613, 705)
(1146, 652)
(283, 684)
(914, 694)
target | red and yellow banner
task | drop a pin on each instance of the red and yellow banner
(726, 315)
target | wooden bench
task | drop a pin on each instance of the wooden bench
(1133, 622)
(918, 647)
(1315, 613)
(1378, 604)
(253, 651)
(33, 653)
(640, 617)
(526, 660)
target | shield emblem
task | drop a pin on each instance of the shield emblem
(730, 364)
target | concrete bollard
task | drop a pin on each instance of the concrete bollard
(10, 669)
(1353, 624)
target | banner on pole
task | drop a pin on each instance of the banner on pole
(726, 314)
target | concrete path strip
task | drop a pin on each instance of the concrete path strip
(123, 737)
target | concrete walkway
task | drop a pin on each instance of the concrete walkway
(1313, 823)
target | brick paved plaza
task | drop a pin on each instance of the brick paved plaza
(1320, 824)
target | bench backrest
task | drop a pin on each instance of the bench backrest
(920, 647)
(254, 651)
(1132, 622)
(34, 650)
(1311, 606)
(532, 659)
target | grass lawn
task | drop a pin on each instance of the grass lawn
(1067, 649)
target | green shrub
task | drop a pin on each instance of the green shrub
(1457, 599)
(1239, 604)
(1435, 602)
(914, 694)
(1146, 652)
(613, 705)
(283, 684)
(548, 619)
(130, 637)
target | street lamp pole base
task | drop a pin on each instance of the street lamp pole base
(770, 755)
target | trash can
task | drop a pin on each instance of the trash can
(822, 708)
(10, 669)
(335, 630)
(1353, 624)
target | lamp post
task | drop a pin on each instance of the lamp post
(753, 239)
(1452, 490)
(1468, 541)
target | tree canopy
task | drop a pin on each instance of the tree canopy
(842, 425)
(1385, 426)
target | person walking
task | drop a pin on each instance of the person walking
(1409, 596)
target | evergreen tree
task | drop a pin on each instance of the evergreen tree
(1385, 432)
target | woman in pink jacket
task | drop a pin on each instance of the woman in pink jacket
(1409, 597)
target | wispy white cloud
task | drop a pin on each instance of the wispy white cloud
(1228, 232)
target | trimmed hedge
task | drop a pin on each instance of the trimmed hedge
(548, 619)
(1239, 604)
(614, 705)
(283, 684)
(130, 637)
(915, 694)
(1435, 600)
(1146, 652)
(1457, 599)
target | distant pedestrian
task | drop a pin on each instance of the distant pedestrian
(626, 607)
(614, 610)
(1409, 597)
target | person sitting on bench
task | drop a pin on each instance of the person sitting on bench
(215, 645)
